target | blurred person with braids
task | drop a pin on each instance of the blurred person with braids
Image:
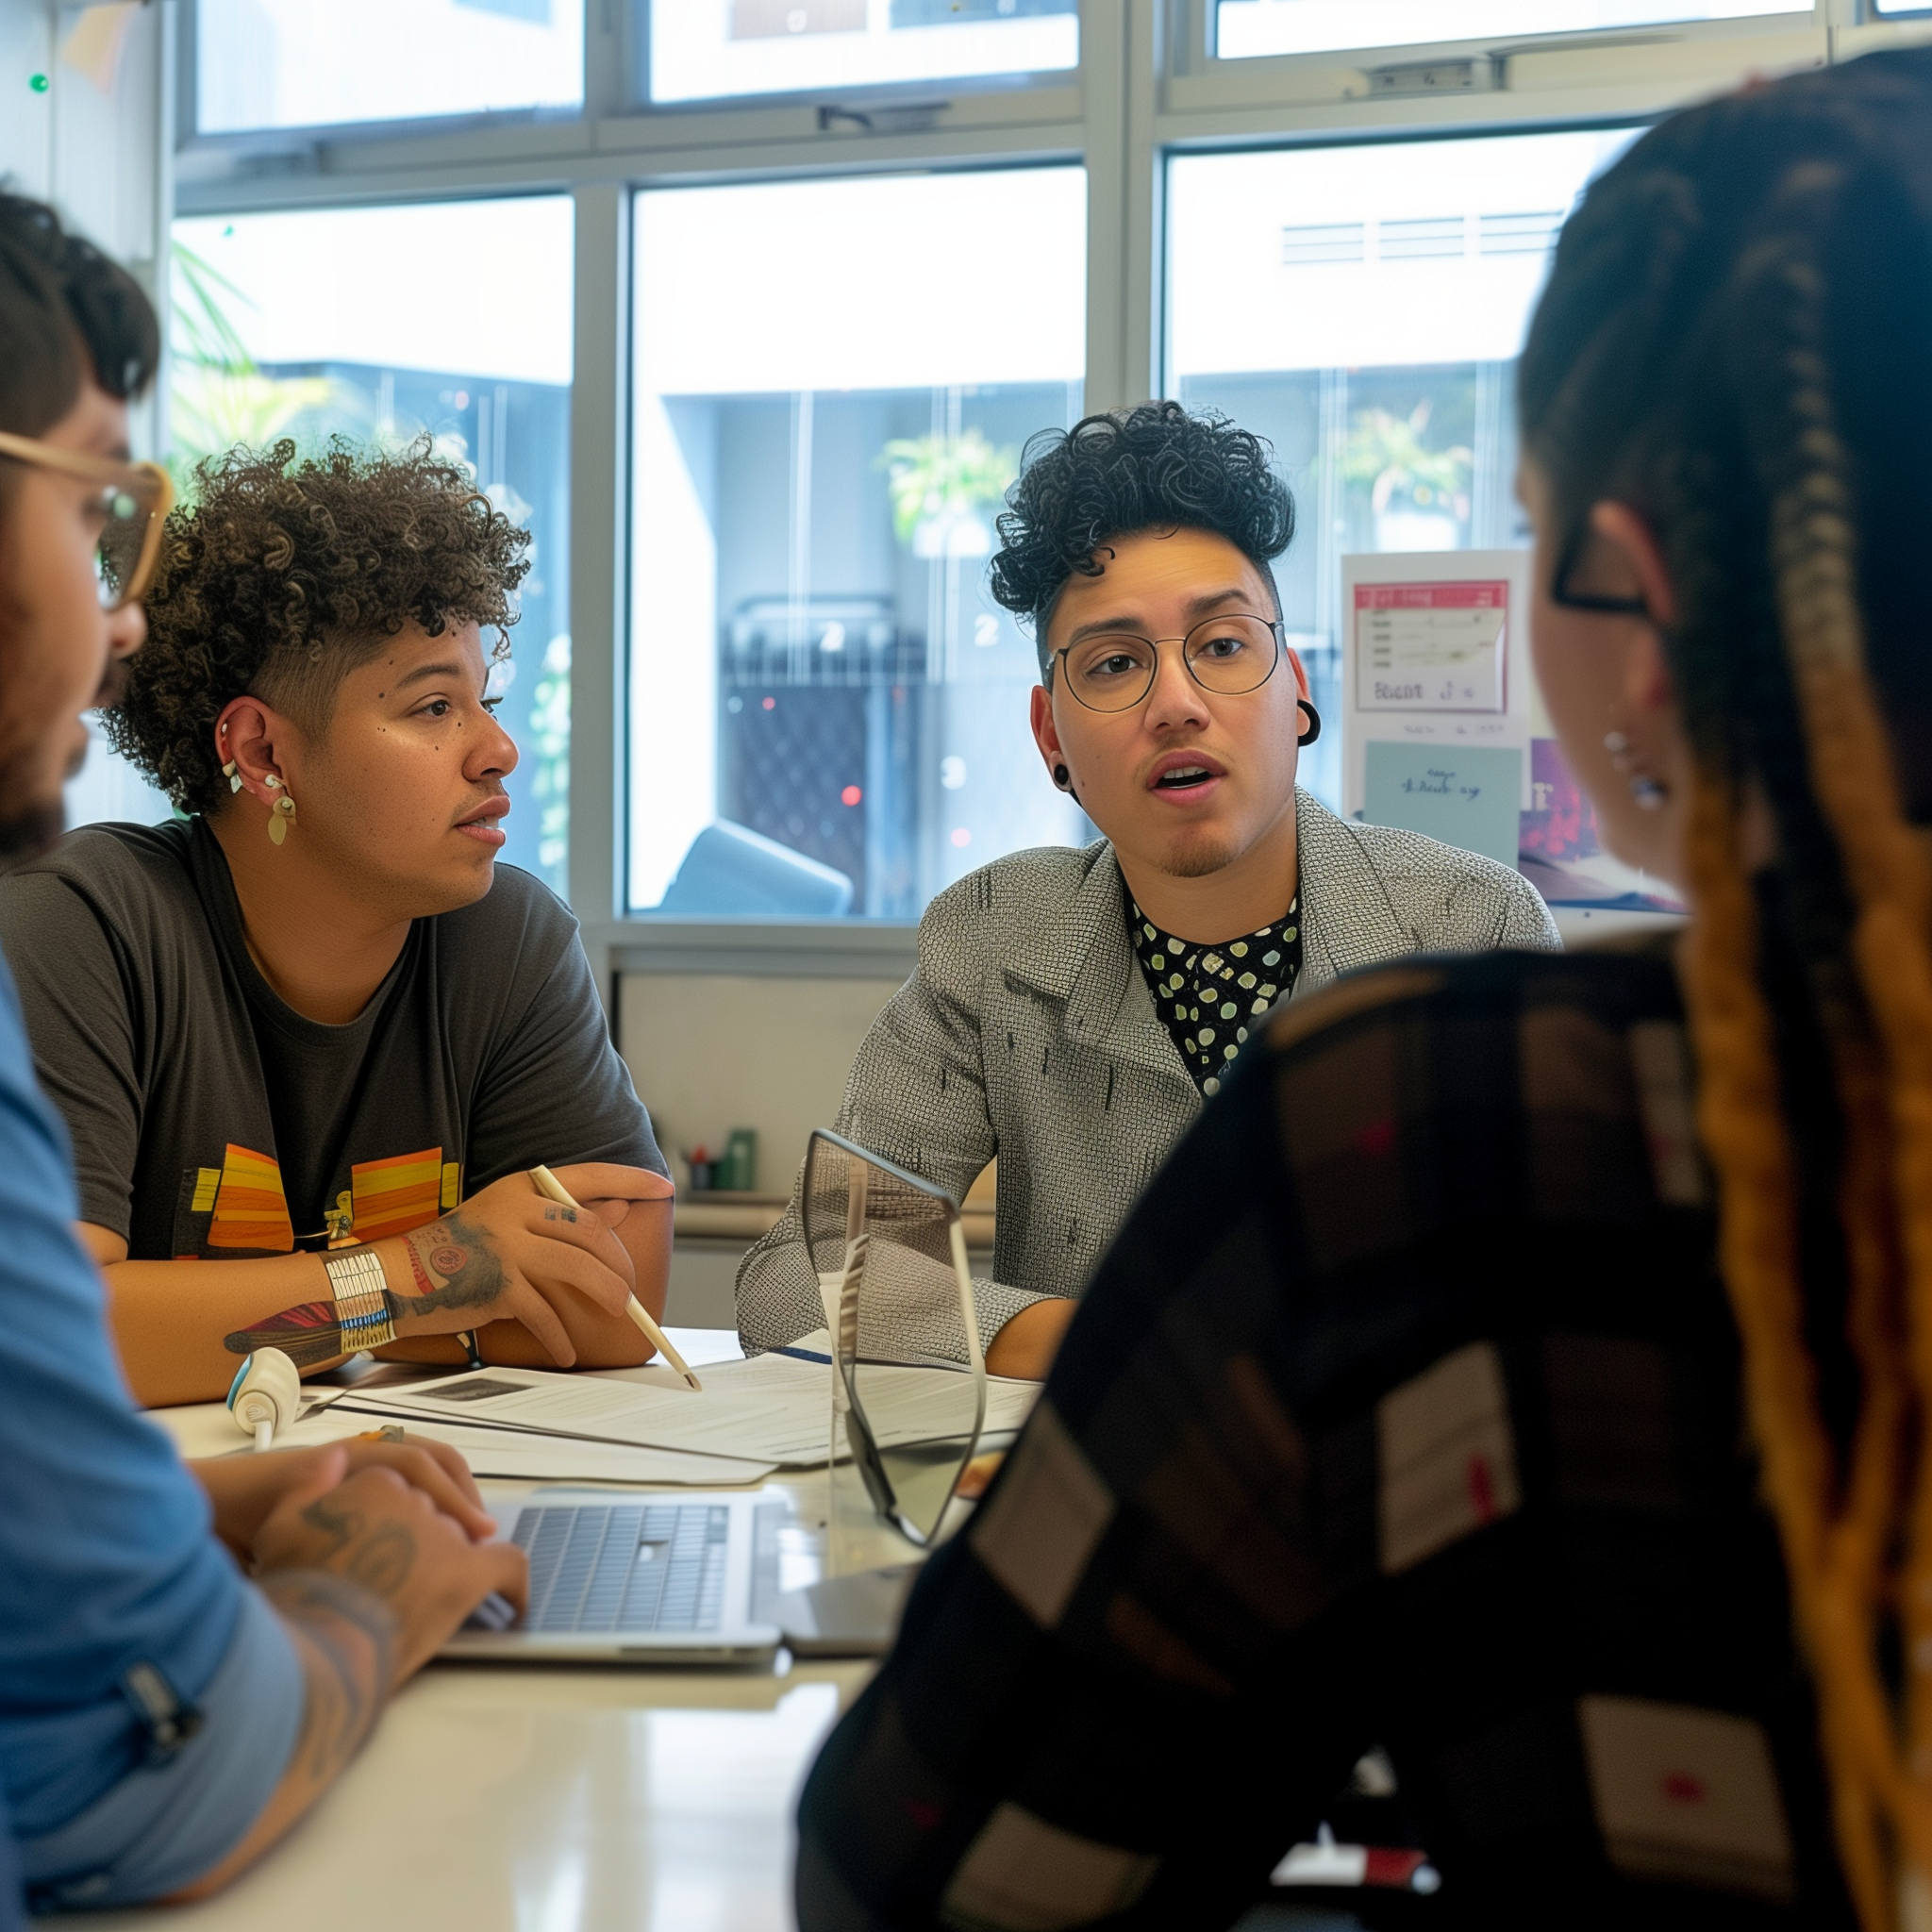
(1072, 1010)
(1527, 1363)
(308, 1037)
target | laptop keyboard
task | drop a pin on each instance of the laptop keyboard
(624, 1566)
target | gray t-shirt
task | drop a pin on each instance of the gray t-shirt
(209, 1118)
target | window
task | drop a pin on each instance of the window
(706, 49)
(1243, 28)
(833, 383)
(1362, 307)
(303, 324)
(304, 63)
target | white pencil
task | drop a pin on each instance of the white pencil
(548, 1184)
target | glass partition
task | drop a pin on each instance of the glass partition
(1362, 306)
(714, 49)
(833, 383)
(383, 324)
(1246, 29)
(310, 63)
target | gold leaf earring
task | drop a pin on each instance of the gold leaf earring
(282, 814)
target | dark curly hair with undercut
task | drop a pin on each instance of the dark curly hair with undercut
(280, 578)
(1154, 467)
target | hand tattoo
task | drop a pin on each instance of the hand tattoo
(462, 1253)
(385, 1560)
(554, 1213)
(341, 1525)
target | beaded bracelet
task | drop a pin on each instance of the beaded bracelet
(360, 1290)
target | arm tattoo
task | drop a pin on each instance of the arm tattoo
(307, 1334)
(349, 1640)
(456, 1250)
(464, 1255)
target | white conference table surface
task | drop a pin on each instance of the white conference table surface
(582, 1798)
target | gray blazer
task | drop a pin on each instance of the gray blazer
(1026, 1031)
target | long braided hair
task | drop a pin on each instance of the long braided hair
(1736, 341)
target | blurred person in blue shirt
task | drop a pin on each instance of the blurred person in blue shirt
(164, 1719)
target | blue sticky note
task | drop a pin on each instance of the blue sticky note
(1465, 795)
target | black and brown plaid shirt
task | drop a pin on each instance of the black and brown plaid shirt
(1404, 1411)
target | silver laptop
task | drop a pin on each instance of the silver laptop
(661, 1578)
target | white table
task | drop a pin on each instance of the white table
(560, 1799)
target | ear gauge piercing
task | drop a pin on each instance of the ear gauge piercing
(1062, 777)
(1650, 795)
(282, 814)
(1314, 730)
(232, 776)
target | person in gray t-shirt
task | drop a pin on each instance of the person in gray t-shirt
(314, 1020)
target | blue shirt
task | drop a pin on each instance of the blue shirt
(106, 1557)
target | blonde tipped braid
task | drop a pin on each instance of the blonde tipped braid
(1841, 1540)
(1742, 1121)
(1852, 776)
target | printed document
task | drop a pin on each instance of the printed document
(772, 1408)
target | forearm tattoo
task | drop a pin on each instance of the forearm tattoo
(453, 1264)
(307, 1334)
(350, 1633)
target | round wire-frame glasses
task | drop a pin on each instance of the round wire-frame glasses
(1228, 655)
(135, 500)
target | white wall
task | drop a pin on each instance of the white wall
(712, 1051)
(95, 144)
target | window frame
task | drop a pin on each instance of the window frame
(1139, 96)
(1206, 79)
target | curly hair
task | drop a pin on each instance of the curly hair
(1154, 467)
(279, 578)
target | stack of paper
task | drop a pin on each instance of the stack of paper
(773, 1408)
(517, 1453)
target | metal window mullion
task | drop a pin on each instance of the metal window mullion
(599, 459)
(1143, 304)
(1105, 32)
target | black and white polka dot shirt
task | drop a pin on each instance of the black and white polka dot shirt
(1207, 995)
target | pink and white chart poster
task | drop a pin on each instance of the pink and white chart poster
(1446, 732)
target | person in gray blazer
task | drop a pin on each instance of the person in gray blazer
(1072, 1010)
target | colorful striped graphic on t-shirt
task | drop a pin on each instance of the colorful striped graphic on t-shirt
(250, 1208)
(393, 1196)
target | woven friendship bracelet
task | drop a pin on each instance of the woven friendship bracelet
(362, 1299)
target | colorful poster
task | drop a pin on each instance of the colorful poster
(1432, 646)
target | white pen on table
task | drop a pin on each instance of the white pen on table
(548, 1184)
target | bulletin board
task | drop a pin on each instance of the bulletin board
(1445, 731)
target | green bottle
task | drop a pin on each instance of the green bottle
(738, 1167)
